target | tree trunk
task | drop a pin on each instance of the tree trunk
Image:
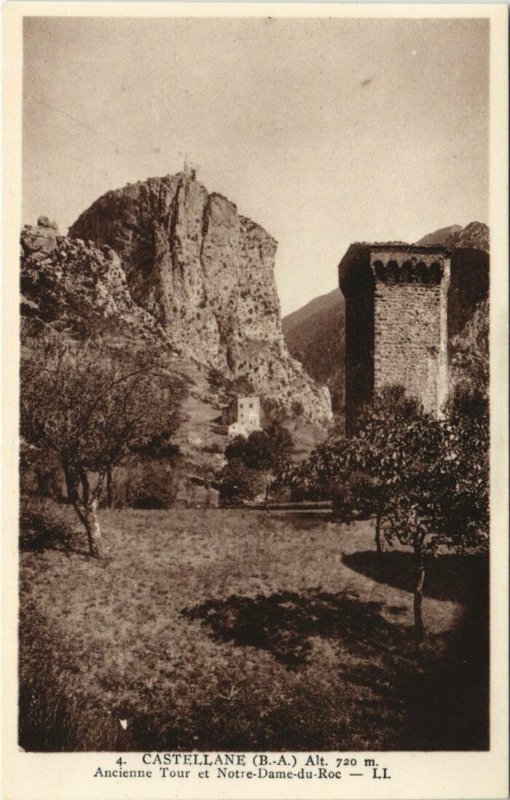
(418, 594)
(109, 487)
(70, 485)
(43, 482)
(91, 523)
(266, 499)
(378, 540)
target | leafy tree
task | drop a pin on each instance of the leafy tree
(269, 449)
(373, 462)
(312, 479)
(444, 492)
(159, 445)
(40, 471)
(282, 444)
(238, 483)
(89, 408)
(425, 479)
(236, 448)
(258, 453)
(151, 483)
(264, 452)
(254, 461)
(360, 472)
(156, 456)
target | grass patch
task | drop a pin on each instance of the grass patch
(228, 629)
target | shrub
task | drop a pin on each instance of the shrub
(240, 386)
(216, 378)
(238, 484)
(146, 484)
(43, 525)
(274, 410)
(40, 473)
(215, 447)
(342, 499)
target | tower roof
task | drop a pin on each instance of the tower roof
(355, 270)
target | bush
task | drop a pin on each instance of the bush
(351, 496)
(215, 447)
(240, 386)
(238, 484)
(342, 499)
(274, 410)
(216, 378)
(40, 473)
(43, 525)
(151, 483)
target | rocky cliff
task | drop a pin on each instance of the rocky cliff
(475, 236)
(205, 273)
(76, 287)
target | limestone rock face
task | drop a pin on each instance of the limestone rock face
(76, 286)
(206, 275)
(40, 240)
(476, 236)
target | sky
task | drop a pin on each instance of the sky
(324, 131)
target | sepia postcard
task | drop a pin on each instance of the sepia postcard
(255, 430)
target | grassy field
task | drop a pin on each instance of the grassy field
(226, 629)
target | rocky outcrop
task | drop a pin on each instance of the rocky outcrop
(475, 236)
(40, 240)
(469, 353)
(77, 287)
(205, 273)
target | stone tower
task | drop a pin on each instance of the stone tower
(396, 323)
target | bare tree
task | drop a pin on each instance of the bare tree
(91, 408)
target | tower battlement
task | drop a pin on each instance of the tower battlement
(424, 265)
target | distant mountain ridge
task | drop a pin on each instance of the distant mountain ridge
(475, 235)
(315, 332)
(441, 236)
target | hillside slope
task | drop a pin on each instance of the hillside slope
(441, 236)
(315, 336)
